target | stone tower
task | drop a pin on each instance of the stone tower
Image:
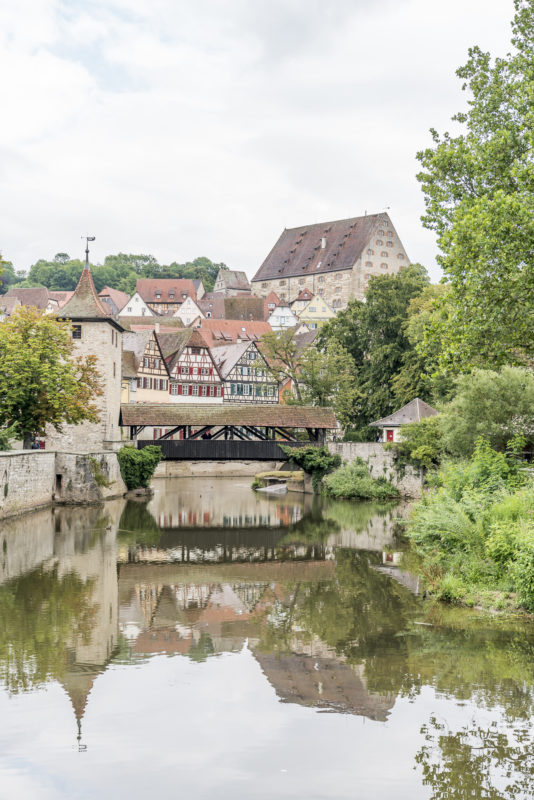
(95, 332)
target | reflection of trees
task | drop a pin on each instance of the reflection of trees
(201, 650)
(41, 615)
(477, 763)
(356, 517)
(138, 526)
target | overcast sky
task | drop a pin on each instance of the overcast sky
(204, 127)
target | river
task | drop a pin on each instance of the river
(214, 642)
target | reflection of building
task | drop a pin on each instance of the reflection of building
(321, 682)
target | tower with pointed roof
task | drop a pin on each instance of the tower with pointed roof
(95, 332)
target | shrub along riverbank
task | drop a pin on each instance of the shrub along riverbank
(473, 533)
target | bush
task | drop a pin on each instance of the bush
(6, 434)
(421, 444)
(474, 533)
(354, 482)
(316, 461)
(138, 466)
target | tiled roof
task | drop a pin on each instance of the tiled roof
(8, 304)
(229, 330)
(60, 297)
(136, 343)
(118, 298)
(129, 364)
(226, 356)
(304, 294)
(298, 251)
(36, 298)
(148, 287)
(413, 411)
(85, 304)
(171, 415)
(172, 344)
(237, 307)
(149, 323)
(233, 280)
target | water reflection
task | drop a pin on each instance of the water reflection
(90, 590)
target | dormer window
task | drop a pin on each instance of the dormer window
(158, 295)
(184, 296)
(171, 295)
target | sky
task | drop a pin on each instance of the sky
(185, 129)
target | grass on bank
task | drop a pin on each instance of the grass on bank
(354, 481)
(473, 533)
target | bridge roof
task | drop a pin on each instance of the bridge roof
(270, 416)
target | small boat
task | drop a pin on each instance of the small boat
(275, 488)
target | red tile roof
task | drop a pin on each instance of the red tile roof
(85, 304)
(298, 251)
(148, 287)
(118, 298)
(229, 330)
(173, 414)
(36, 298)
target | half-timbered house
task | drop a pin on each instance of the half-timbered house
(193, 374)
(152, 378)
(244, 371)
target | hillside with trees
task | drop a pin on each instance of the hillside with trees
(119, 271)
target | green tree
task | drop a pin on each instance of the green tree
(8, 276)
(327, 379)
(41, 381)
(374, 334)
(283, 354)
(495, 405)
(479, 197)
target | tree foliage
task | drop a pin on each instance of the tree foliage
(496, 405)
(374, 335)
(138, 466)
(119, 271)
(479, 197)
(41, 381)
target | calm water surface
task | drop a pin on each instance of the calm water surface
(218, 643)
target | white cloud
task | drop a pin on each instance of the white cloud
(184, 129)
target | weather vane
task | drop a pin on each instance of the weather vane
(87, 240)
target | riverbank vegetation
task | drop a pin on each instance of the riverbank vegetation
(353, 481)
(473, 533)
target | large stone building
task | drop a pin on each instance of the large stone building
(332, 259)
(95, 332)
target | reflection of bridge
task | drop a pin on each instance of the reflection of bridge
(225, 432)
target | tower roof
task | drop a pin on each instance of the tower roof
(85, 304)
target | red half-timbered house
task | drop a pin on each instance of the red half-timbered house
(194, 377)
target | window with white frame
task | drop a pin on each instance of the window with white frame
(195, 388)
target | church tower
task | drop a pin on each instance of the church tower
(95, 332)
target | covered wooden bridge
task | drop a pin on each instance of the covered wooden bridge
(226, 432)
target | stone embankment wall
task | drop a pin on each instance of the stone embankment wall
(408, 481)
(213, 469)
(31, 479)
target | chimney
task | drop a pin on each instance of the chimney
(156, 327)
(323, 242)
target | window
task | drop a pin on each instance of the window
(270, 391)
(337, 290)
(139, 383)
(232, 388)
(129, 309)
(203, 391)
(384, 266)
(301, 281)
(184, 370)
(368, 263)
(264, 285)
(400, 255)
(114, 369)
(370, 252)
(281, 283)
(252, 355)
(338, 276)
(146, 383)
(379, 241)
(76, 331)
(321, 278)
(384, 254)
(146, 362)
(389, 244)
(313, 309)
(163, 385)
(174, 389)
(156, 363)
(320, 292)
(184, 296)
(158, 295)
(171, 295)
(203, 370)
(282, 295)
(380, 233)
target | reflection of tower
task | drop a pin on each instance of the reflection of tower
(93, 560)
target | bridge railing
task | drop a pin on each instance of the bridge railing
(220, 449)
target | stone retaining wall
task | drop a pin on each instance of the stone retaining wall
(32, 479)
(409, 481)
